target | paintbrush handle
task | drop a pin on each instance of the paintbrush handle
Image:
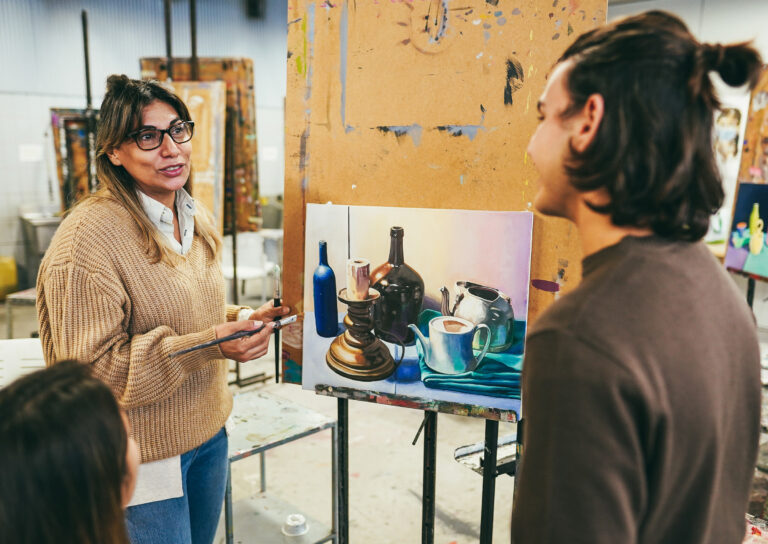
(235, 336)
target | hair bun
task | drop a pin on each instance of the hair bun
(737, 64)
(714, 54)
(116, 83)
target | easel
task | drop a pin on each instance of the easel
(352, 142)
(751, 282)
(429, 466)
(239, 380)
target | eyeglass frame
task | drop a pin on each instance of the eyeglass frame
(133, 135)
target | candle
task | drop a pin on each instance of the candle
(358, 279)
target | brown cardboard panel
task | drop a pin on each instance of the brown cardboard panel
(439, 121)
(207, 106)
(241, 168)
(754, 156)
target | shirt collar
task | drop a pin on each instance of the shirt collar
(159, 213)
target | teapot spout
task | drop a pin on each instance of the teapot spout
(446, 301)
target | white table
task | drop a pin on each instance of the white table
(262, 422)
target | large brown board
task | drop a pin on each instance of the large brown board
(422, 103)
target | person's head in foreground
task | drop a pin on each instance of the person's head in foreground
(68, 463)
(626, 126)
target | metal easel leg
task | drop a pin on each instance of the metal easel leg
(343, 475)
(228, 513)
(335, 482)
(430, 475)
(489, 481)
(750, 291)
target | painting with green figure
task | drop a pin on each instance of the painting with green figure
(747, 251)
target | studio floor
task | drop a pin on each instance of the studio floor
(385, 484)
(385, 469)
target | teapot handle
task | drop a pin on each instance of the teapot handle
(487, 343)
(423, 341)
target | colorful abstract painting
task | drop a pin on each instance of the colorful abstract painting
(729, 126)
(446, 313)
(747, 251)
(70, 140)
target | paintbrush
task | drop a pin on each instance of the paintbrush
(238, 334)
(277, 303)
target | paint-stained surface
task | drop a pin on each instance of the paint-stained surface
(207, 104)
(261, 421)
(402, 103)
(241, 171)
(754, 158)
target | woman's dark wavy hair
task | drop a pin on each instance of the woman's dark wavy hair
(62, 459)
(653, 151)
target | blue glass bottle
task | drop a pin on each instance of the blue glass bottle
(324, 291)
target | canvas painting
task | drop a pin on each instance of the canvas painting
(423, 303)
(729, 125)
(747, 251)
(206, 101)
(70, 140)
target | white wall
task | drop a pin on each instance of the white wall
(41, 66)
(721, 21)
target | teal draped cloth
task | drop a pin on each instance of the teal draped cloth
(498, 374)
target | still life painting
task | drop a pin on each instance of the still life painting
(424, 303)
(747, 251)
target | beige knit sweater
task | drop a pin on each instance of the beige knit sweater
(100, 301)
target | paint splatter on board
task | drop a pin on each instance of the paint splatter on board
(545, 285)
(414, 131)
(515, 78)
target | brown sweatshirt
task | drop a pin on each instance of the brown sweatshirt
(100, 301)
(641, 401)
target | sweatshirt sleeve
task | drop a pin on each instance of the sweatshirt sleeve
(83, 317)
(581, 477)
(234, 311)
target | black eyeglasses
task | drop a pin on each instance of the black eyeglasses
(152, 138)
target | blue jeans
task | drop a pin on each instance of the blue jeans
(194, 517)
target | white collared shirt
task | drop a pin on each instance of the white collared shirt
(162, 218)
(161, 479)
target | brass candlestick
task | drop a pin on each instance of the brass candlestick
(358, 354)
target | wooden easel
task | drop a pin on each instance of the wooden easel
(426, 105)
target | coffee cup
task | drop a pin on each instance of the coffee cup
(449, 348)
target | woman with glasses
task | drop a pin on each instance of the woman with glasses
(132, 276)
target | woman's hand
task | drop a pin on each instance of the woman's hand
(267, 312)
(246, 348)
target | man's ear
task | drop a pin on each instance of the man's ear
(588, 122)
(113, 157)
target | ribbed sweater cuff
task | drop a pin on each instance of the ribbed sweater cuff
(196, 359)
(232, 311)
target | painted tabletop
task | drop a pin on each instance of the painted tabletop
(404, 388)
(263, 421)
